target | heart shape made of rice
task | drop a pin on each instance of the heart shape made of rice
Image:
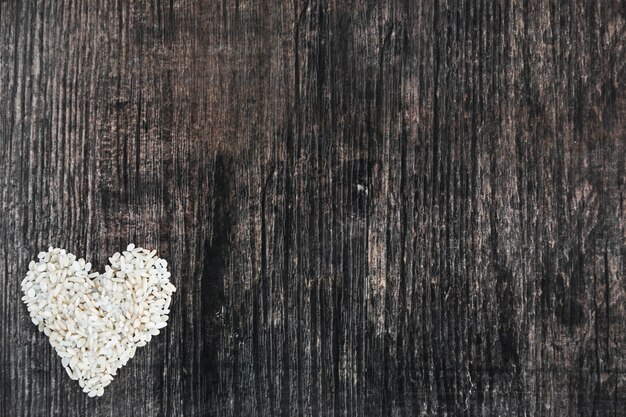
(96, 321)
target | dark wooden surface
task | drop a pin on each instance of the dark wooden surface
(390, 208)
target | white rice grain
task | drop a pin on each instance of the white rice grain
(94, 321)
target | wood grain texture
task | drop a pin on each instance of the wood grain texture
(390, 208)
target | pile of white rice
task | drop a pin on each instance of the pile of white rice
(96, 321)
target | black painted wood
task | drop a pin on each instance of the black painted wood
(370, 208)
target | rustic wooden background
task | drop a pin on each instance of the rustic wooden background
(390, 208)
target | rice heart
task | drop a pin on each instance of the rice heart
(95, 321)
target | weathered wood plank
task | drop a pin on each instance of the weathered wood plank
(369, 208)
